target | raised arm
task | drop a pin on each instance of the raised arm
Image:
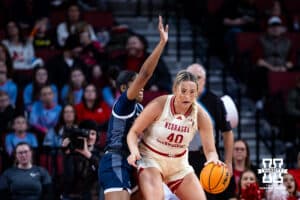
(150, 64)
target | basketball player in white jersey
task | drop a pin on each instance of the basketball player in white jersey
(167, 125)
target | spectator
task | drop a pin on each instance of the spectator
(248, 187)
(92, 51)
(21, 52)
(7, 85)
(241, 160)
(72, 92)
(293, 114)
(44, 116)
(40, 35)
(295, 172)
(59, 67)
(25, 180)
(70, 26)
(110, 92)
(291, 186)
(92, 107)
(67, 120)
(19, 134)
(5, 57)
(136, 54)
(7, 112)
(32, 90)
(98, 77)
(277, 10)
(81, 164)
(238, 16)
(273, 52)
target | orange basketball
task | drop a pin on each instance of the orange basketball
(214, 178)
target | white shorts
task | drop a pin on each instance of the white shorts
(171, 168)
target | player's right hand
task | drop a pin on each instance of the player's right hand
(133, 158)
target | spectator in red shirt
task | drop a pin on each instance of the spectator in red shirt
(92, 107)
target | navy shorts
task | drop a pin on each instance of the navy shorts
(115, 174)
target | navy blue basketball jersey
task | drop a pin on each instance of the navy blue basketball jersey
(124, 113)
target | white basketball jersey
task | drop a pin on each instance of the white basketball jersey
(172, 133)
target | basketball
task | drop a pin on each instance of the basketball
(214, 178)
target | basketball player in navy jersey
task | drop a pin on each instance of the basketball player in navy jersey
(115, 173)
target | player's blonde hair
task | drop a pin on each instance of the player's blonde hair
(184, 75)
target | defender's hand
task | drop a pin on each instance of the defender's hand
(163, 31)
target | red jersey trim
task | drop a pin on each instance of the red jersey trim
(164, 154)
(173, 185)
(186, 114)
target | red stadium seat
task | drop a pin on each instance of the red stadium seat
(282, 82)
(45, 160)
(2, 34)
(264, 5)
(99, 19)
(57, 16)
(213, 6)
(246, 41)
(292, 6)
(295, 39)
(47, 54)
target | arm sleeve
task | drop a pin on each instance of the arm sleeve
(94, 161)
(34, 142)
(92, 33)
(14, 93)
(55, 92)
(46, 185)
(61, 34)
(27, 94)
(34, 118)
(30, 53)
(124, 106)
(108, 96)
(63, 94)
(8, 144)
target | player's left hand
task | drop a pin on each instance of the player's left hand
(215, 161)
(163, 31)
